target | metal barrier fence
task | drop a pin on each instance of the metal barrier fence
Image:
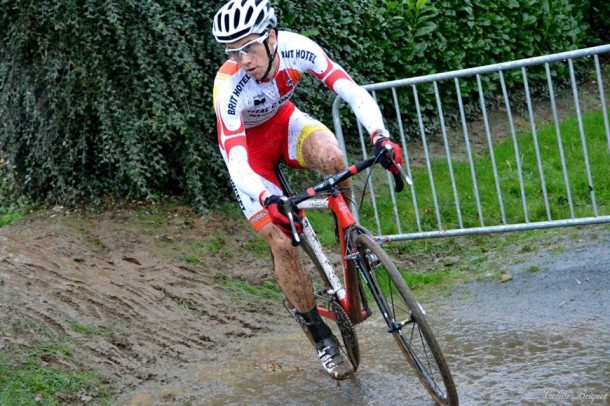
(506, 148)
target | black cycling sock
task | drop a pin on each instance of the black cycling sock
(319, 330)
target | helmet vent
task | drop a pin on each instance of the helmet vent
(240, 18)
(236, 18)
(249, 13)
(259, 19)
(226, 21)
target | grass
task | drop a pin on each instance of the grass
(505, 158)
(264, 290)
(417, 281)
(90, 331)
(466, 257)
(256, 246)
(15, 212)
(44, 377)
(199, 249)
(9, 217)
(84, 329)
(11, 209)
(230, 215)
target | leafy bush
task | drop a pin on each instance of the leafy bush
(109, 99)
(446, 35)
(598, 17)
(112, 100)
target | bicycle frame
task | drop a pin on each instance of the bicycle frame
(349, 293)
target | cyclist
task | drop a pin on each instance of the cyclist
(258, 126)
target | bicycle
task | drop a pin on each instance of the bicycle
(364, 263)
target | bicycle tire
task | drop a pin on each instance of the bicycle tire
(348, 334)
(400, 310)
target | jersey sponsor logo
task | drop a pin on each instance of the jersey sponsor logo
(237, 196)
(283, 99)
(267, 111)
(258, 102)
(259, 113)
(285, 82)
(258, 216)
(300, 54)
(236, 92)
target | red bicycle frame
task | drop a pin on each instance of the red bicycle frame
(349, 293)
(351, 302)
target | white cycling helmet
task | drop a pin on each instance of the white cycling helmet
(239, 18)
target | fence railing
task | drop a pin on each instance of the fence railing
(491, 138)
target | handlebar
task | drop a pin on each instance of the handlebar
(330, 182)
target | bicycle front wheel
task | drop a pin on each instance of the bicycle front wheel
(406, 320)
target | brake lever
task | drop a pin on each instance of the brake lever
(296, 240)
(389, 153)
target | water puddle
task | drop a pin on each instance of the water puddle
(528, 343)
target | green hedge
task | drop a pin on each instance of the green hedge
(418, 37)
(112, 100)
(109, 100)
(597, 15)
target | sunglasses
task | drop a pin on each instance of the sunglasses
(240, 52)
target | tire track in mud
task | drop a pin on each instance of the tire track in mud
(129, 310)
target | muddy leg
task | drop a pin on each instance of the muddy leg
(321, 151)
(292, 277)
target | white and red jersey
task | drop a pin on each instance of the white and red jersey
(241, 102)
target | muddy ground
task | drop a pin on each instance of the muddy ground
(138, 294)
(134, 292)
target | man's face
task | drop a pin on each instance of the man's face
(250, 53)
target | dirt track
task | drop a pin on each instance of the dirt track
(118, 291)
(117, 288)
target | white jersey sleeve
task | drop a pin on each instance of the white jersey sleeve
(314, 59)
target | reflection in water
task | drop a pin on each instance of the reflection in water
(288, 374)
(518, 367)
(544, 339)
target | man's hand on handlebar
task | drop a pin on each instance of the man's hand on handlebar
(380, 147)
(389, 155)
(275, 208)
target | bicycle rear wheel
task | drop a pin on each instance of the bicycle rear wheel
(406, 320)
